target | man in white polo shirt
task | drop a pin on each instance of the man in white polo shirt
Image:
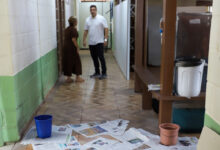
(97, 28)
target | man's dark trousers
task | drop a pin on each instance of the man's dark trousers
(97, 53)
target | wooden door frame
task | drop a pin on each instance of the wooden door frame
(139, 34)
(60, 22)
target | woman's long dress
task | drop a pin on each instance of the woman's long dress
(71, 59)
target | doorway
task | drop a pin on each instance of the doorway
(118, 16)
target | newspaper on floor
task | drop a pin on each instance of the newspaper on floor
(89, 130)
(52, 146)
(120, 146)
(115, 127)
(62, 129)
(93, 131)
(99, 144)
(153, 87)
(125, 146)
(72, 145)
(133, 138)
(60, 134)
(184, 143)
(80, 127)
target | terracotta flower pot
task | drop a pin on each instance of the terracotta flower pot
(169, 133)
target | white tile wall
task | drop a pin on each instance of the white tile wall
(33, 30)
(6, 68)
(47, 24)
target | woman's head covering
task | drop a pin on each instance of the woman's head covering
(72, 21)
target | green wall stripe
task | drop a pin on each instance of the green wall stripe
(212, 124)
(49, 71)
(21, 95)
(8, 121)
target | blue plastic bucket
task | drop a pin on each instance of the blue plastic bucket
(43, 125)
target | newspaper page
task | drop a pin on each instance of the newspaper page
(92, 132)
(45, 147)
(99, 144)
(133, 138)
(72, 145)
(115, 127)
(79, 127)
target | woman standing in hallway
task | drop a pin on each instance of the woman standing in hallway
(71, 59)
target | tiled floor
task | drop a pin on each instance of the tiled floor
(96, 100)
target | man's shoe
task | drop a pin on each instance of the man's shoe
(95, 75)
(103, 76)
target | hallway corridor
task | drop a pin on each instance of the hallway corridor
(97, 100)
(171, 45)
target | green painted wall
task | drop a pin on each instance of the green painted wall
(8, 126)
(212, 124)
(49, 71)
(21, 95)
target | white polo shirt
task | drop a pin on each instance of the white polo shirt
(96, 27)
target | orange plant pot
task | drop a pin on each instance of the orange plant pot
(169, 133)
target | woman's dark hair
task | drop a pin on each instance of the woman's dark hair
(93, 6)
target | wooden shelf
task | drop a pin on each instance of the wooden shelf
(158, 96)
(149, 75)
(143, 77)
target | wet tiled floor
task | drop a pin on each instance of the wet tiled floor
(97, 100)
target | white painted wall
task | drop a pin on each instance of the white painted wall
(33, 31)
(5, 41)
(69, 10)
(209, 139)
(122, 36)
(213, 85)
